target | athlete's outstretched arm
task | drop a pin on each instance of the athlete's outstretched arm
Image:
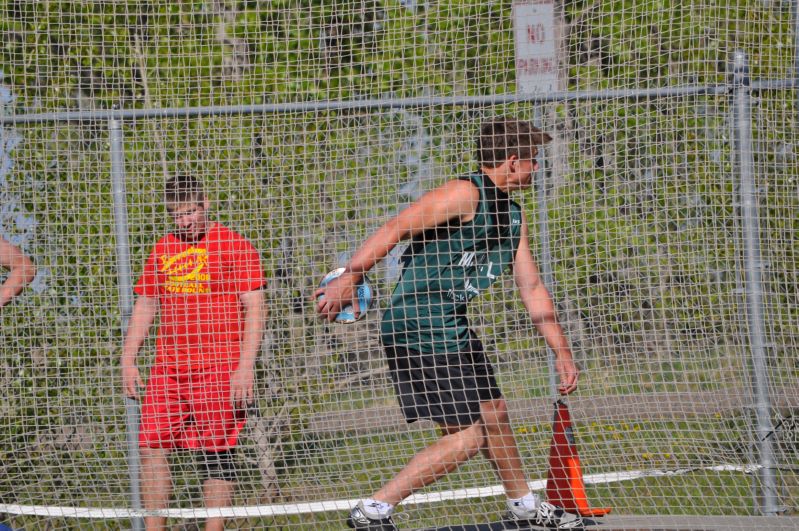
(455, 199)
(21, 271)
(539, 304)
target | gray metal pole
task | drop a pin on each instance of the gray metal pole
(125, 302)
(490, 100)
(742, 123)
(796, 52)
(545, 251)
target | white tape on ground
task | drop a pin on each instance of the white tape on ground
(107, 513)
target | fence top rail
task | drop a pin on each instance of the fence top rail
(385, 103)
(388, 103)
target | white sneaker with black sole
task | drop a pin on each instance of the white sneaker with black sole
(359, 520)
(547, 515)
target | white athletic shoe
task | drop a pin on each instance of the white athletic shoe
(549, 516)
(358, 520)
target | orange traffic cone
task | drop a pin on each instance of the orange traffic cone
(565, 487)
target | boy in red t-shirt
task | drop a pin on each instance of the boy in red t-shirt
(205, 282)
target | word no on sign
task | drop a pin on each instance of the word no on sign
(534, 36)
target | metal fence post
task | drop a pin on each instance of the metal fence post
(544, 247)
(795, 9)
(742, 124)
(125, 301)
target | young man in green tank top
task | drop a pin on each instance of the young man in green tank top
(464, 235)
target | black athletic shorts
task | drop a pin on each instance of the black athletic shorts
(445, 388)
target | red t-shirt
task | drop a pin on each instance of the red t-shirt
(198, 287)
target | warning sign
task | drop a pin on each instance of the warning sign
(534, 35)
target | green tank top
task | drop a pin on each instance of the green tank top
(445, 267)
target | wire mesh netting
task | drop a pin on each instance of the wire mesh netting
(313, 123)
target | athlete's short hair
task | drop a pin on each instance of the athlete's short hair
(183, 189)
(500, 138)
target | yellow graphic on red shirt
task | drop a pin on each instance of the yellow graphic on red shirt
(185, 271)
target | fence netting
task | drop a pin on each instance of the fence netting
(635, 219)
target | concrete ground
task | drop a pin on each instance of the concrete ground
(693, 523)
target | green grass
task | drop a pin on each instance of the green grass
(350, 468)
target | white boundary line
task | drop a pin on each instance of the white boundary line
(108, 513)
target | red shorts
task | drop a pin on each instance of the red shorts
(189, 409)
